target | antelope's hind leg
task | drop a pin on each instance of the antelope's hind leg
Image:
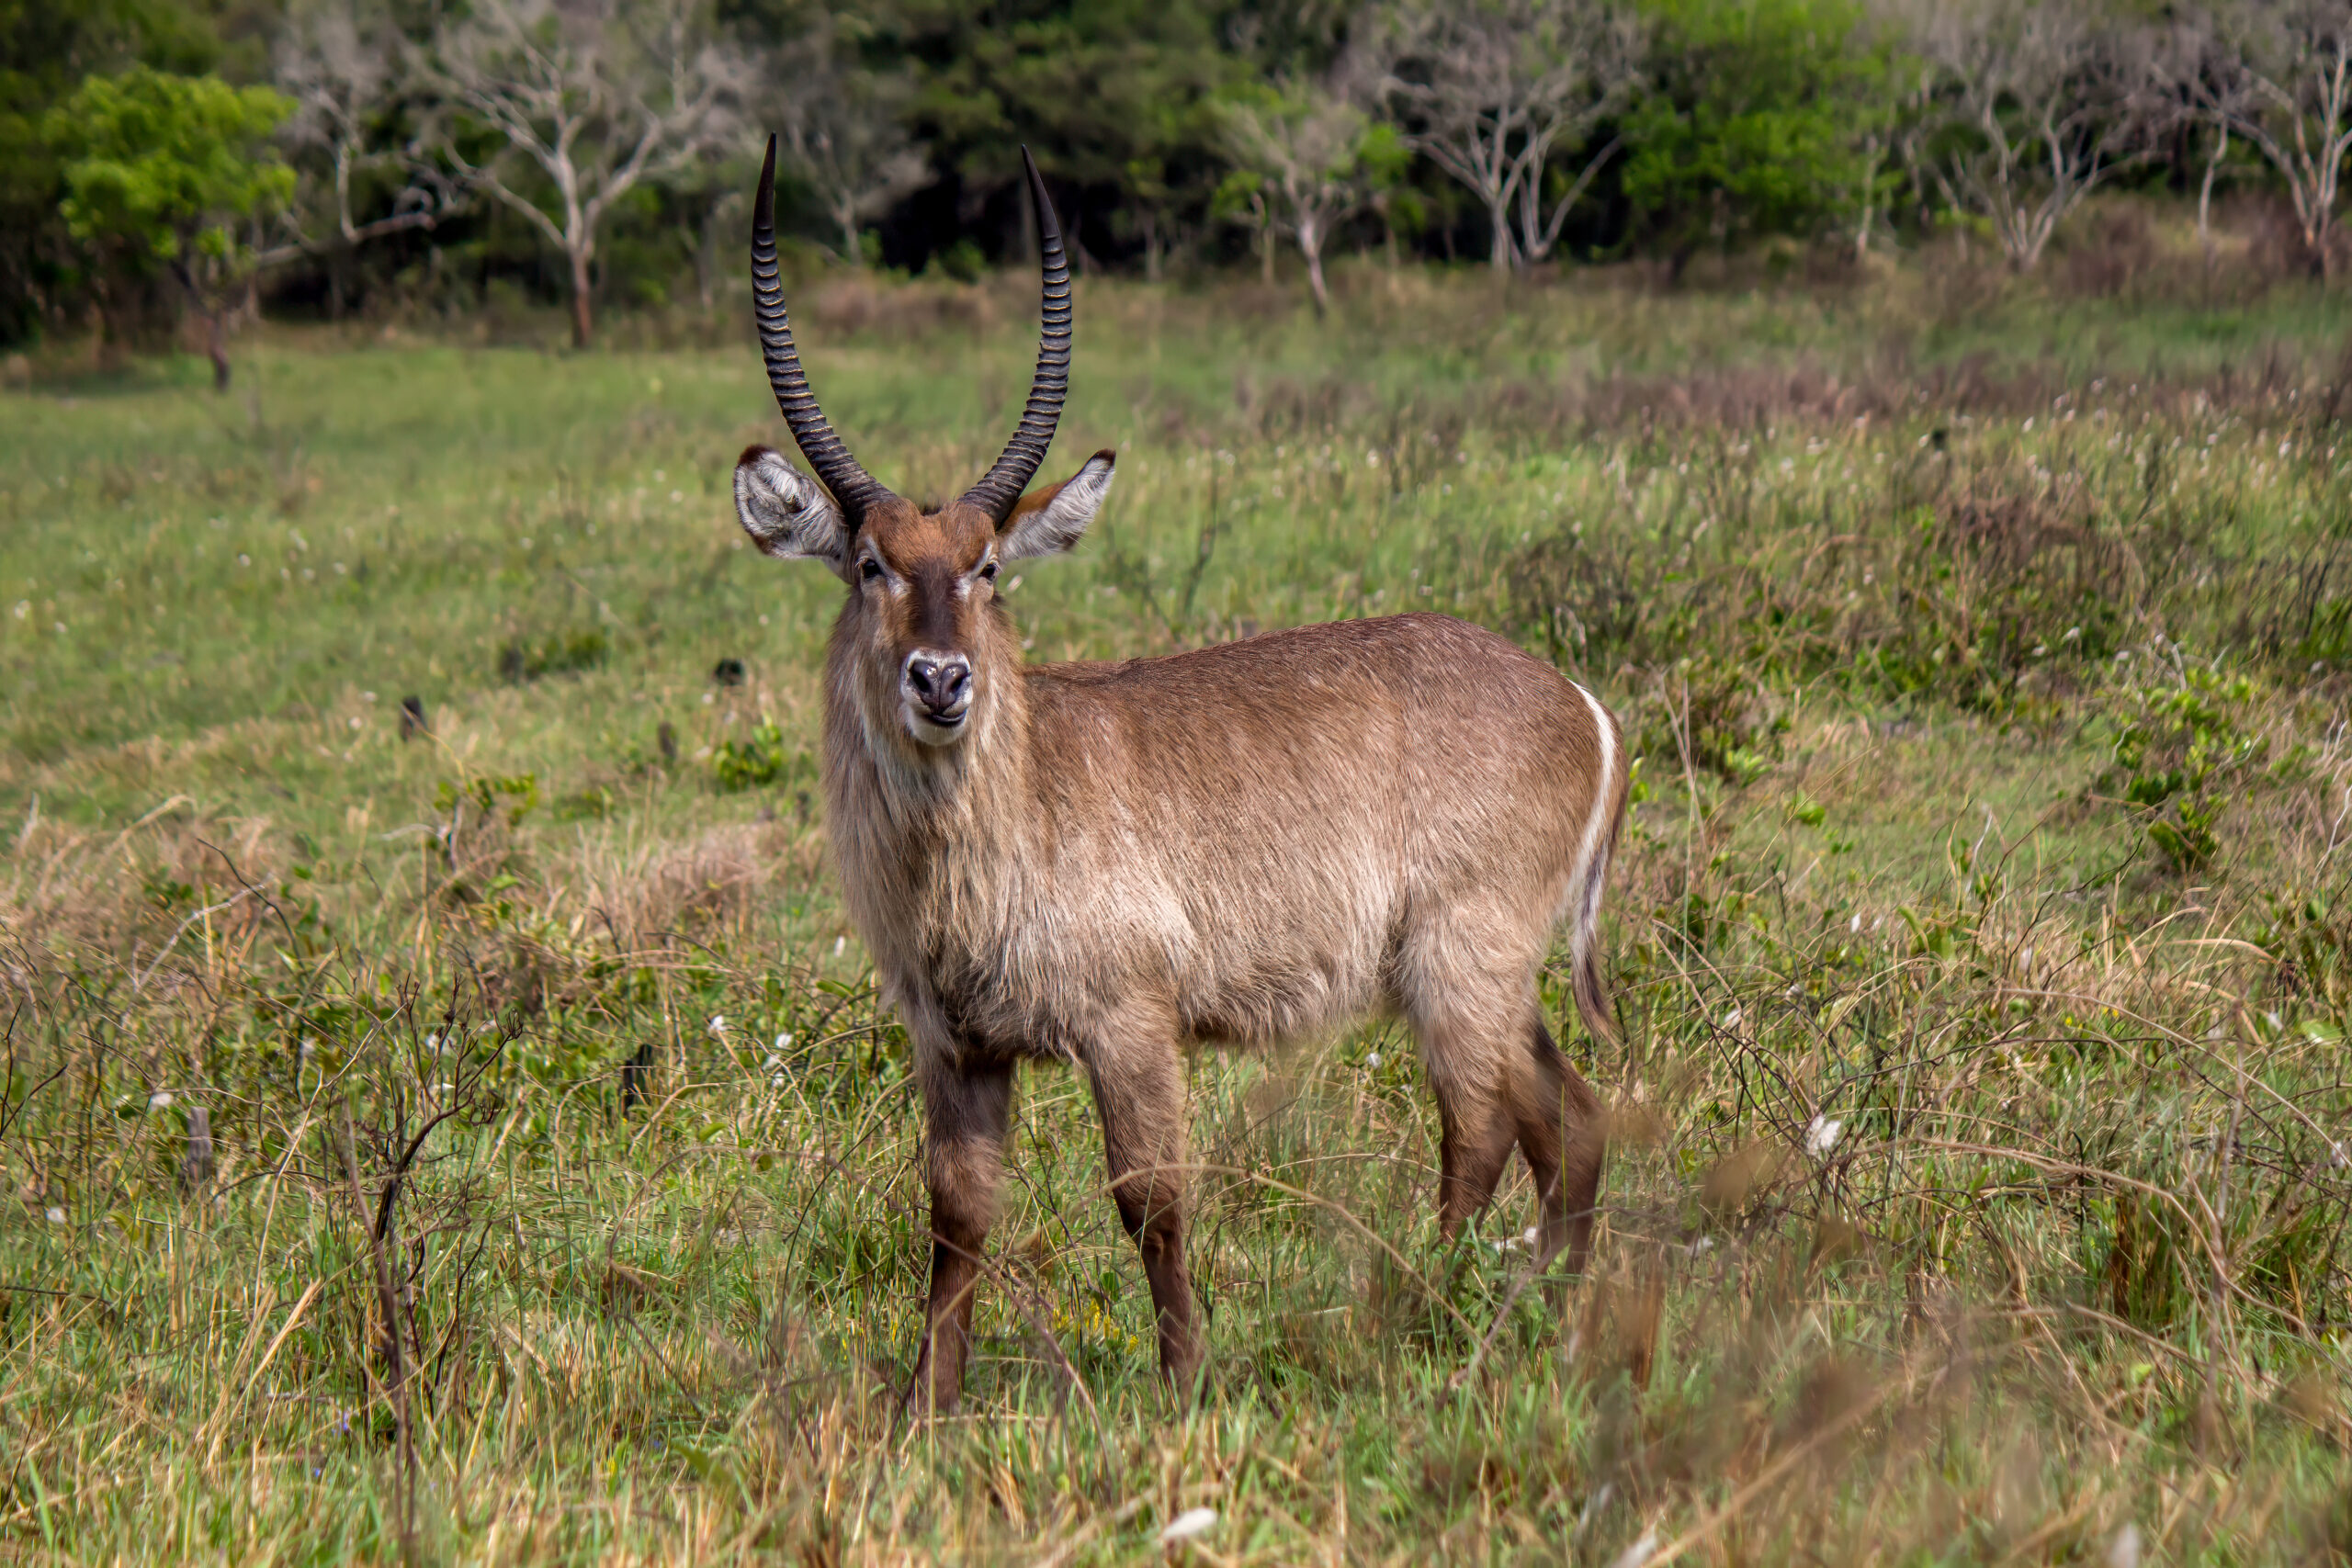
(1462, 1030)
(1564, 1133)
(1139, 1093)
(1500, 1079)
(967, 1111)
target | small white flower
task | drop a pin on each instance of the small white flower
(772, 1064)
(1856, 923)
(158, 1099)
(776, 1082)
(1702, 1246)
(1731, 1018)
(57, 1216)
(840, 942)
(1187, 1525)
(718, 1026)
(2272, 1020)
(784, 1039)
(1530, 1237)
(1371, 1060)
(1821, 1135)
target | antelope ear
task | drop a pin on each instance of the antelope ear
(788, 514)
(1049, 519)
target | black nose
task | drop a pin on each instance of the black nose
(943, 683)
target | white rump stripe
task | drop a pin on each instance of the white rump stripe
(1596, 822)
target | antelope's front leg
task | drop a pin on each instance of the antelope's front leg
(1139, 1091)
(967, 1111)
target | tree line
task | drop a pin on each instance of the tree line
(161, 157)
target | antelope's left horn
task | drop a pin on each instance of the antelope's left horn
(1001, 489)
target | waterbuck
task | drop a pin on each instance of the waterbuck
(1104, 862)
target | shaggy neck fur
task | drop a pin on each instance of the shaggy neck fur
(931, 838)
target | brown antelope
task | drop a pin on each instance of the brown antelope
(1104, 862)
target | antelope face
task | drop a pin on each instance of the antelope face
(921, 615)
(922, 608)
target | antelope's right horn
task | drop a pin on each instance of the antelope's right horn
(999, 490)
(853, 489)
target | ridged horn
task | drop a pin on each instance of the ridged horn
(853, 487)
(999, 491)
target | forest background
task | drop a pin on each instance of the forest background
(168, 162)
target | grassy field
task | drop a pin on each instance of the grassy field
(482, 1144)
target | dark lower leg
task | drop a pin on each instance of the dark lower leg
(1564, 1135)
(1142, 1141)
(1160, 1239)
(969, 1114)
(1474, 1145)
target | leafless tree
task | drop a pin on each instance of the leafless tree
(594, 97)
(1305, 144)
(842, 125)
(2196, 80)
(341, 63)
(2040, 107)
(2279, 73)
(1491, 88)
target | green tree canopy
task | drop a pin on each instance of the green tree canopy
(1757, 119)
(166, 167)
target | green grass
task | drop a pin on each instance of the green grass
(1988, 652)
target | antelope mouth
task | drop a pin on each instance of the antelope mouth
(934, 727)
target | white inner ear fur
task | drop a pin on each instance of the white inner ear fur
(1057, 525)
(788, 514)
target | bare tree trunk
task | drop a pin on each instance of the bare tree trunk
(582, 331)
(215, 348)
(216, 335)
(2205, 201)
(853, 242)
(1151, 253)
(1499, 258)
(1310, 245)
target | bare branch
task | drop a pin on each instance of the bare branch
(592, 99)
(842, 125)
(1490, 88)
(1306, 142)
(2040, 105)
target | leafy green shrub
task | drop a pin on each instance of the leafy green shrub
(2176, 757)
(752, 763)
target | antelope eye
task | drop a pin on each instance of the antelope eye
(989, 572)
(871, 570)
